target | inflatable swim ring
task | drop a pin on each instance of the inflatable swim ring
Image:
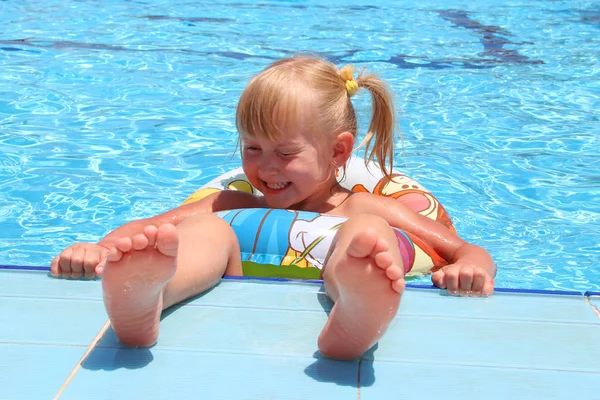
(301, 239)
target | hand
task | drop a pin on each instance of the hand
(80, 259)
(464, 280)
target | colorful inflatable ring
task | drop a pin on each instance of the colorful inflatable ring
(297, 241)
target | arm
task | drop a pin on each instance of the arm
(82, 259)
(471, 269)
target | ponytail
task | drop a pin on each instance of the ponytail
(382, 127)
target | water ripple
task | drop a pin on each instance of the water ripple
(119, 113)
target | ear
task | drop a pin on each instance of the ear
(342, 148)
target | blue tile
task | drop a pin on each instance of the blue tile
(35, 372)
(39, 284)
(50, 321)
(512, 329)
(540, 291)
(261, 337)
(237, 330)
(595, 305)
(167, 374)
(267, 295)
(513, 306)
(245, 318)
(450, 380)
(515, 344)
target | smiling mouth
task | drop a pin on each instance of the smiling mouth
(277, 186)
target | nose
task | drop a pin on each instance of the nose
(267, 164)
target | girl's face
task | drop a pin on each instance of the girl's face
(294, 172)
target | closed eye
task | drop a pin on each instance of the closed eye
(287, 153)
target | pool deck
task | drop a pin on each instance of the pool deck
(249, 339)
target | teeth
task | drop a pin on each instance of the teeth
(276, 186)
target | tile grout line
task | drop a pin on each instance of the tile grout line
(82, 359)
(594, 308)
(358, 379)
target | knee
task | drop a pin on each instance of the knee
(207, 224)
(203, 218)
(371, 222)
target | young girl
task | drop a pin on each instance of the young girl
(297, 127)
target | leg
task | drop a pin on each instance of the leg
(161, 267)
(364, 276)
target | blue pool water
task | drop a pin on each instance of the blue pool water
(116, 110)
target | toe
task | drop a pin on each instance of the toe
(124, 244)
(150, 231)
(114, 255)
(384, 260)
(139, 242)
(394, 272)
(167, 240)
(363, 244)
(399, 285)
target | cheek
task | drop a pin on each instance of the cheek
(248, 166)
(309, 170)
(324, 168)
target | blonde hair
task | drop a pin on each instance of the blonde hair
(290, 89)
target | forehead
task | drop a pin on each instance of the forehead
(288, 135)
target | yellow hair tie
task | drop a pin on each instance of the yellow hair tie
(351, 87)
(347, 74)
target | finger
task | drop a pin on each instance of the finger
(77, 259)
(54, 267)
(89, 274)
(488, 287)
(100, 268)
(452, 281)
(465, 281)
(479, 276)
(139, 242)
(439, 278)
(93, 258)
(65, 261)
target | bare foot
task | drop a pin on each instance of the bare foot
(136, 271)
(370, 286)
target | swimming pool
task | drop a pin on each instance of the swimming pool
(111, 111)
